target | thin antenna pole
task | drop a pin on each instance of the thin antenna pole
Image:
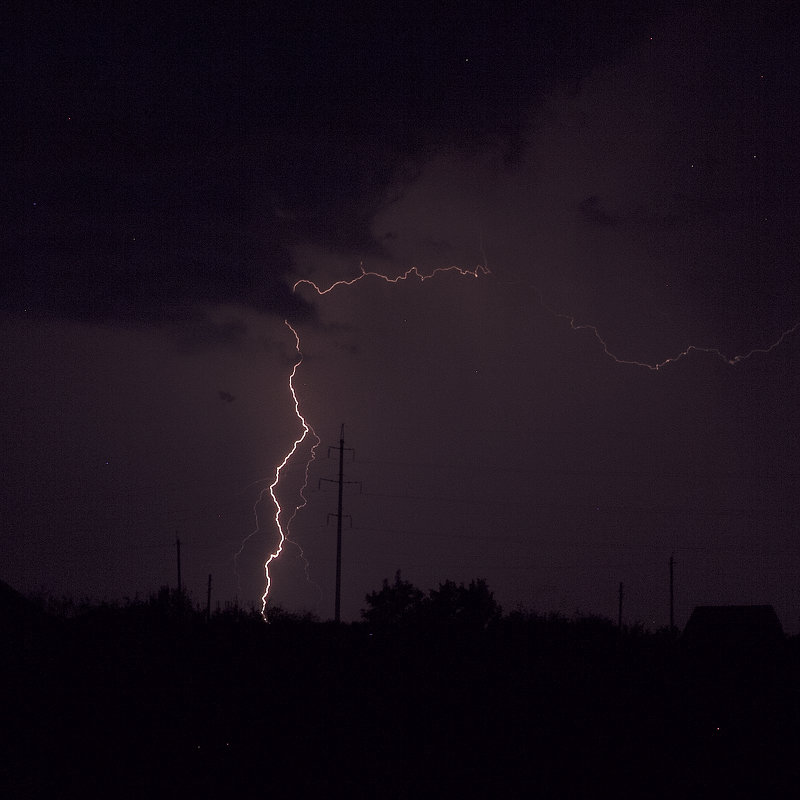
(178, 549)
(671, 594)
(337, 611)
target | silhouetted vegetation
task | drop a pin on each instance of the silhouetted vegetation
(455, 607)
(430, 693)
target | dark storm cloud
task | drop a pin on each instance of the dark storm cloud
(160, 160)
(661, 188)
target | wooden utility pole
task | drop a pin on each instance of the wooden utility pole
(208, 600)
(619, 616)
(337, 616)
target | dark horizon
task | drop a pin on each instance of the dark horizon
(429, 695)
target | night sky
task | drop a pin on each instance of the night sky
(628, 172)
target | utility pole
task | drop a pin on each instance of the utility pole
(208, 601)
(619, 616)
(337, 615)
(671, 594)
(178, 548)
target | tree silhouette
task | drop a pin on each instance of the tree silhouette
(394, 604)
(452, 605)
(470, 607)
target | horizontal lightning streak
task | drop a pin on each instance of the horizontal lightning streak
(731, 361)
(571, 319)
(414, 271)
(655, 366)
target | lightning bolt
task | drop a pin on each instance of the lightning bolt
(271, 490)
(414, 271)
(478, 271)
(731, 361)
(283, 533)
(300, 506)
(653, 366)
(574, 324)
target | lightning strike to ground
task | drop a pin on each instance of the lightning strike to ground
(478, 271)
(283, 533)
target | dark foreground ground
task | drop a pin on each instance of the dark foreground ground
(147, 704)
